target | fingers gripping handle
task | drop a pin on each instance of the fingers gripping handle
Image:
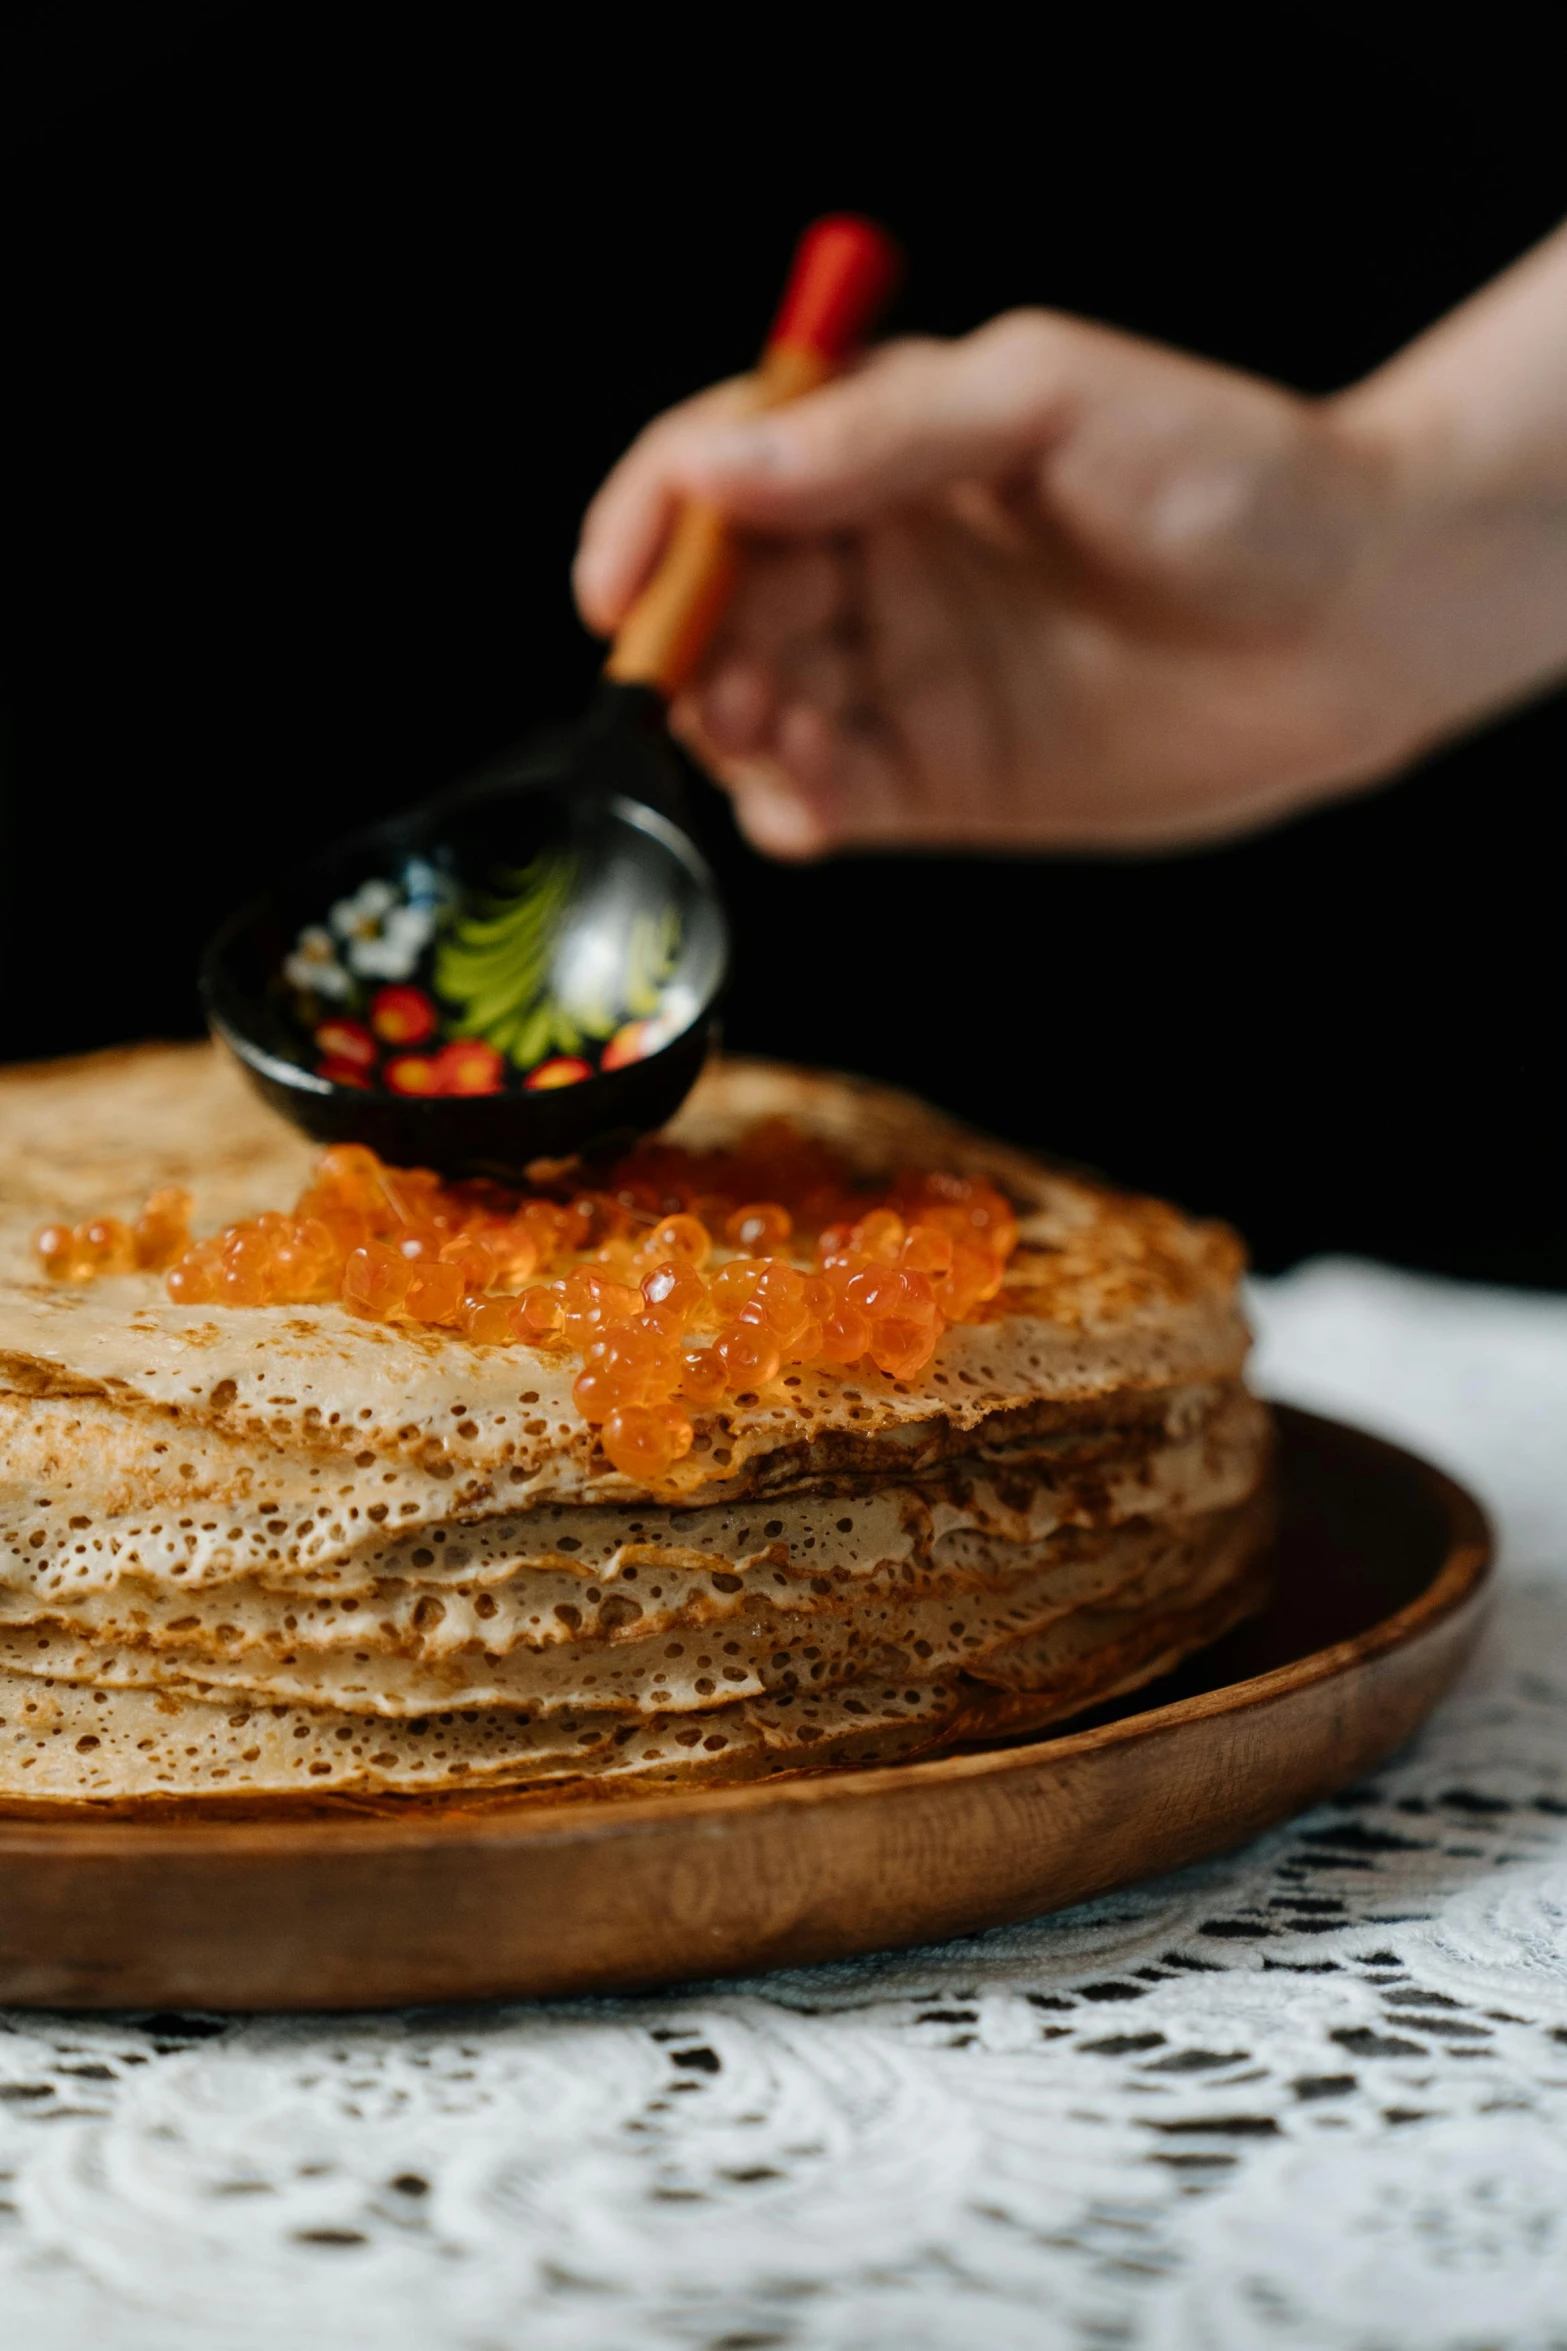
(844, 271)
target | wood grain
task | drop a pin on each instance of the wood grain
(1381, 1576)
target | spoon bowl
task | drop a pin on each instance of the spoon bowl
(622, 872)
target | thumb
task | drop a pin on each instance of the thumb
(917, 417)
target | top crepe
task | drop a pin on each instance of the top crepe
(1108, 1299)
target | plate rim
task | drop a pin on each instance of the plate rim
(1465, 1578)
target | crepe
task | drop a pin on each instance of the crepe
(1107, 1298)
(80, 1739)
(254, 1551)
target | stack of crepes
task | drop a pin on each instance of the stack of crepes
(281, 1551)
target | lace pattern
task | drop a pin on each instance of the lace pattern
(1312, 2094)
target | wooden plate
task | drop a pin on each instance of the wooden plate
(1382, 1566)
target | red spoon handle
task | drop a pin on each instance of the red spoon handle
(844, 271)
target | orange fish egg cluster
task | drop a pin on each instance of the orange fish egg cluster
(106, 1244)
(679, 1279)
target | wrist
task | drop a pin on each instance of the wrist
(1462, 594)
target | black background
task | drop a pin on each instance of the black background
(325, 322)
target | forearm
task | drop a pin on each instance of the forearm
(1464, 597)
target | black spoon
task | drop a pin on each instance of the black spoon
(527, 968)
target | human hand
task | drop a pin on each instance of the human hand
(1046, 586)
(1053, 587)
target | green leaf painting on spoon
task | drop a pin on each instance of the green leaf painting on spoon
(494, 964)
(652, 951)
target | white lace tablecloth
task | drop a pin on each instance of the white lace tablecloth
(1313, 2094)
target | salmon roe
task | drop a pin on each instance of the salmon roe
(678, 1278)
